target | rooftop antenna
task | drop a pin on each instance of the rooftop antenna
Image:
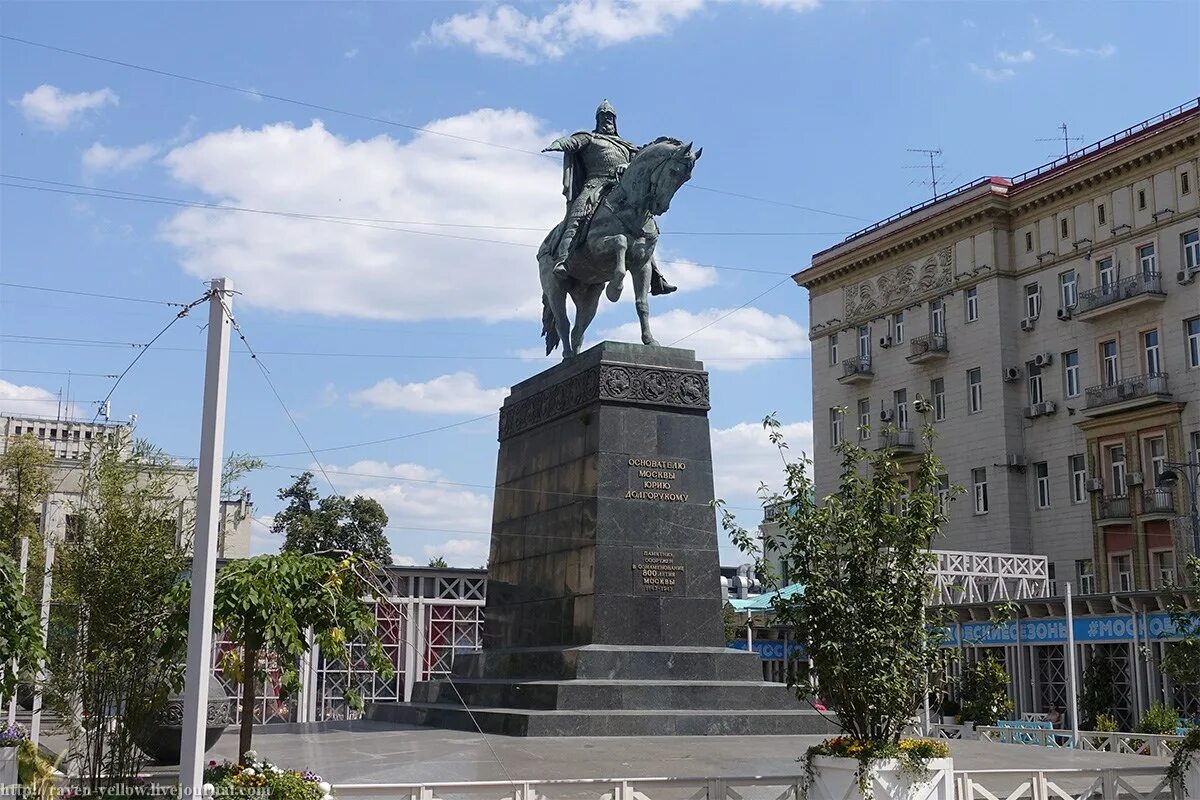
(1065, 139)
(933, 167)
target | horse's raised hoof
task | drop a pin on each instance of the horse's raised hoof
(613, 292)
(649, 341)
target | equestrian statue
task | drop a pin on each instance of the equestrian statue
(614, 191)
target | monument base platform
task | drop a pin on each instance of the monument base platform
(600, 690)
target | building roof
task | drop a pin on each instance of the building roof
(1009, 187)
(762, 602)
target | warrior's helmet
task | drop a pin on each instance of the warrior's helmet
(606, 109)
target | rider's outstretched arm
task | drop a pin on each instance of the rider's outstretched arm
(569, 144)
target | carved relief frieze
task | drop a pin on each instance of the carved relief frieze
(899, 286)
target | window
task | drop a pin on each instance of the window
(1101, 217)
(1156, 459)
(1028, 241)
(1162, 565)
(1122, 572)
(41, 433)
(833, 349)
(1185, 183)
(1106, 274)
(898, 327)
(1068, 289)
(74, 528)
(1033, 300)
(1078, 467)
(943, 494)
(1141, 199)
(76, 436)
(937, 390)
(87, 435)
(937, 316)
(864, 340)
(1192, 330)
(1191, 250)
(1064, 229)
(835, 426)
(1085, 574)
(1153, 356)
(1042, 472)
(979, 481)
(900, 401)
(975, 390)
(972, 304)
(1196, 446)
(1035, 383)
(1147, 260)
(54, 433)
(1109, 368)
(1116, 469)
(1070, 361)
(864, 419)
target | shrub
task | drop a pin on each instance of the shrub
(985, 692)
(258, 775)
(1159, 718)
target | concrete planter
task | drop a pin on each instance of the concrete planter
(837, 779)
(1191, 780)
(163, 739)
(8, 768)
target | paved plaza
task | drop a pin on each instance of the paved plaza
(369, 752)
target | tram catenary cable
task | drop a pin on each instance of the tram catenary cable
(381, 120)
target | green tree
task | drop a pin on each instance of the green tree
(267, 603)
(313, 524)
(24, 486)
(863, 556)
(1181, 661)
(984, 692)
(1099, 695)
(20, 631)
(439, 562)
(108, 663)
(733, 627)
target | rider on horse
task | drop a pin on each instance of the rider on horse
(592, 164)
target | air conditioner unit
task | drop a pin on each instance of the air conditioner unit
(1027, 324)
(1049, 407)
(1011, 374)
(886, 415)
(1043, 359)
(1133, 479)
(1015, 460)
(1185, 276)
(1064, 313)
(1095, 484)
(885, 342)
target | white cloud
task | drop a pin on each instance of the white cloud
(743, 458)
(419, 498)
(744, 338)
(100, 158)
(404, 561)
(1052, 41)
(460, 552)
(33, 401)
(347, 270)
(351, 53)
(55, 109)
(507, 32)
(687, 275)
(992, 73)
(1023, 57)
(456, 393)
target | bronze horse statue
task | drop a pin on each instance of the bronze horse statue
(620, 239)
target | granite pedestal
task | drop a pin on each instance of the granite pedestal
(603, 613)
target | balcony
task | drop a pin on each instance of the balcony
(1158, 502)
(899, 439)
(856, 370)
(1113, 508)
(1144, 390)
(1144, 287)
(928, 348)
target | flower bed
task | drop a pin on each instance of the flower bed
(255, 775)
(842, 767)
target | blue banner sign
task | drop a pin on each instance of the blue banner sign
(1053, 630)
(771, 649)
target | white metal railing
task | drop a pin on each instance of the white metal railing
(1144, 783)
(1143, 744)
(749, 788)
(968, 577)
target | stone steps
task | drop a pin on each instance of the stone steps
(604, 694)
(606, 662)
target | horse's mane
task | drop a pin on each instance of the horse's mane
(636, 176)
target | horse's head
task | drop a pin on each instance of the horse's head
(658, 171)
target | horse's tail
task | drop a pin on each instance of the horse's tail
(548, 328)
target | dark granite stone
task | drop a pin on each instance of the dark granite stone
(603, 612)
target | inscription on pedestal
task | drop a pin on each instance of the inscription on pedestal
(654, 479)
(658, 572)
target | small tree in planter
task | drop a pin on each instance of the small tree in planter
(985, 692)
(863, 556)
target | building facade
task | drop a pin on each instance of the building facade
(70, 440)
(1047, 326)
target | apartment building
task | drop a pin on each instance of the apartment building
(69, 441)
(1048, 327)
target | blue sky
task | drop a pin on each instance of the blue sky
(806, 104)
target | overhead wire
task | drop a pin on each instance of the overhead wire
(90, 294)
(380, 120)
